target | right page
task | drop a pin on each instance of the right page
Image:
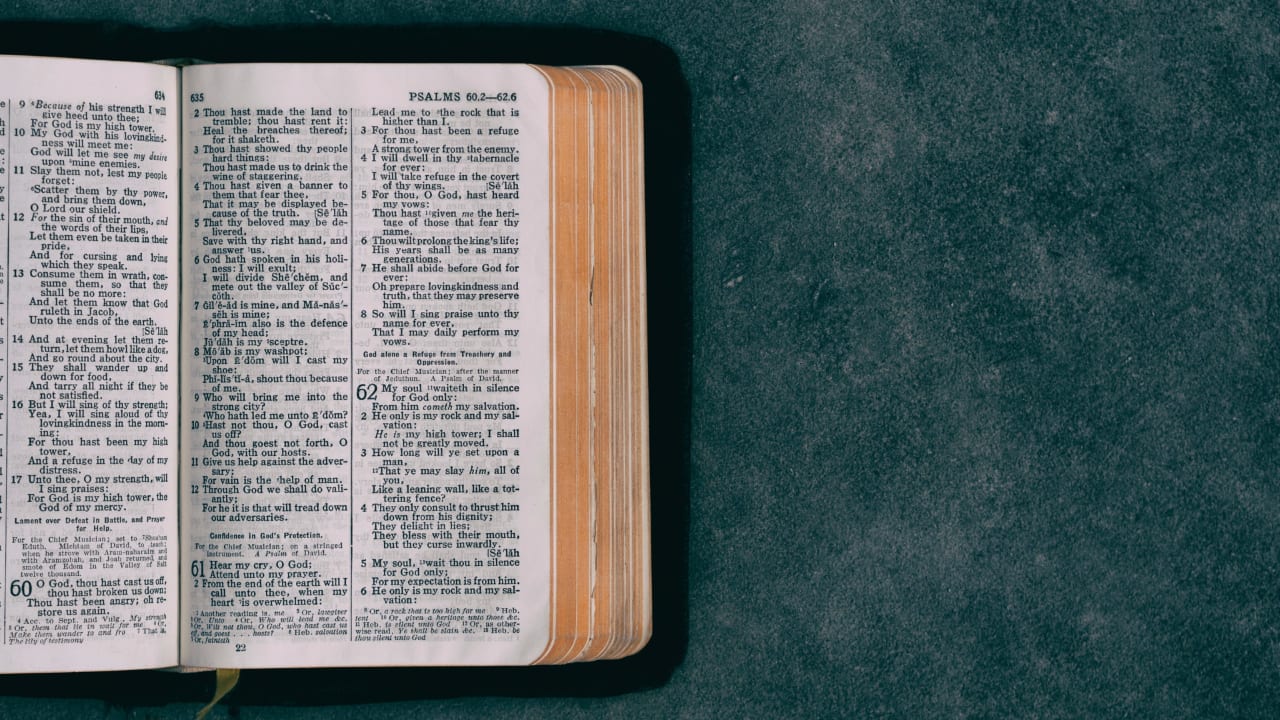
(366, 391)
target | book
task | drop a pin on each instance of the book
(321, 365)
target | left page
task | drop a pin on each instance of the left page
(88, 365)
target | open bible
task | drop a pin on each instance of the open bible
(321, 365)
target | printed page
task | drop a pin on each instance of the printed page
(88, 365)
(367, 329)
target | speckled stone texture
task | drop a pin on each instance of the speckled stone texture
(966, 324)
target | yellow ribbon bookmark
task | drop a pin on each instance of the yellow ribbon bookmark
(227, 679)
